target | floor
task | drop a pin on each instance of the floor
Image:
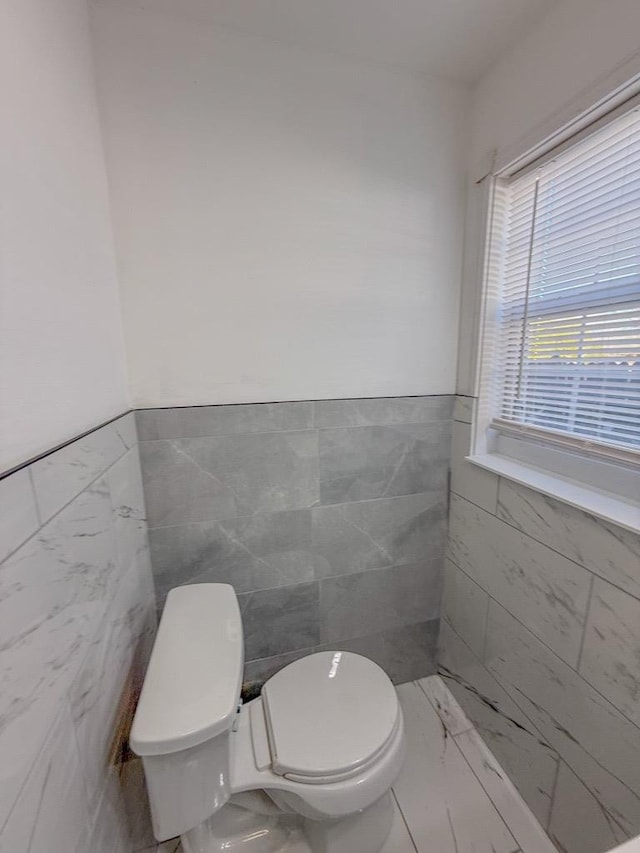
(452, 796)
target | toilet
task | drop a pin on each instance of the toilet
(306, 766)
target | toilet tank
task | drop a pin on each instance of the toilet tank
(188, 705)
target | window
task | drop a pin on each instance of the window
(565, 273)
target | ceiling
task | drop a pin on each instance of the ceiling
(459, 39)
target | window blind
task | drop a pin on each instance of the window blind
(568, 244)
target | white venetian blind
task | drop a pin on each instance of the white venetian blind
(568, 343)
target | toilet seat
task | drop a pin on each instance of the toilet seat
(328, 717)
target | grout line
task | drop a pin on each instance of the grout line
(553, 793)
(404, 820)
(584, 627)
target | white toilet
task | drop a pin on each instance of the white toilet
(307, 766)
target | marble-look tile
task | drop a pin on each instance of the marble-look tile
(387, 598)
(514, 811)
(409, 652)
(355, 537)
(468, 480)
(611, 652)
(118, 648)
(463, 409)
(579, 824)
(52, 814)
(280, 620)
(110, 831)
(254, 552)
(441, 800)
(464, 606)
(399, 840)
(256, 672)
(362, 463)
(607, 550)
(60, 476)
(207, 479)
(130, 524)
(54, 592)
(126, 429)
(18, 514)
(445, 704)
(382, 410)
(199, 421)
(519, 747)
(547, 592)
(599, 744)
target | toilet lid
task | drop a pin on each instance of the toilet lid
(328, 714)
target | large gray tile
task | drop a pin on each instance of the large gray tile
(205, 479)
(198, 421)
(523, 752)
(253, 552)
(256, 672)
(364, 535)
(543, 589)
(598, 743)
(464, 606)
(386, 598)
(280, 620)
(361, 463)
(18, 514)
(54, 592)
(611, 652)
(410, 651)
(607, 550)
(60, 476)
(578, 822)
(382, 410)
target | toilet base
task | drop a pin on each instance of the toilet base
(235, 828)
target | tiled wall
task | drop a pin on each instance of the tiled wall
(329, 519)
(540, 643)
(76, 616)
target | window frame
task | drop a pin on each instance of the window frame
(600, 479)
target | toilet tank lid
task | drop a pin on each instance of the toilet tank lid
(193, 682)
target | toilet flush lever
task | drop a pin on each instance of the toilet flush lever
(236, 722)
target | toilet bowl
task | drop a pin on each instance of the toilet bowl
(306, 766)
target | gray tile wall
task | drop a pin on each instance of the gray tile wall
(540, 643)
(329, 519)
(77, 616)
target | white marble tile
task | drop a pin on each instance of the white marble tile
(463, 409)
(516, 814)
(110, 830)
(437, 792)
(525, 755)
(611, 652)
(468, 480)
(607, 550)
(600, 745)
(62, 475)
(464, 606)
(399, 840)
(54, 592)
(51, 815)
(547, 592)
(445, 704)
(127, 499)
(578, 822)
(18, 515)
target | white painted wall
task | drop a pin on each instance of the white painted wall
(578, 52)
(288, 223)
(61, 347)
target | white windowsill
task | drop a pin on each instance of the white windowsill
(602, 504)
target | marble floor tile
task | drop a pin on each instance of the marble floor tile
(609, 551)
(611, 653)
(544, 590)
(445, 704)
(399, 840)
(522, 824)
(444, 806)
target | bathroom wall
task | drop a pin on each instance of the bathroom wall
(329, 519)
(77, 618)
(60, 325)
(541, 609)
(288, 222)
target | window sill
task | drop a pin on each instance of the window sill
(604, 505)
